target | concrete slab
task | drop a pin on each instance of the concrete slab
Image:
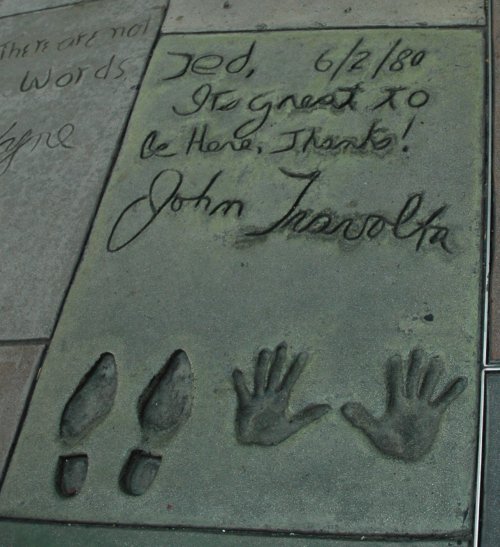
(70, 77)
(17, 534)
(494, 326)
(14, 7)
(314, 187)
(231, 15)
(18, 365)
(490, 526)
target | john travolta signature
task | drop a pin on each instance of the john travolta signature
(408, 223)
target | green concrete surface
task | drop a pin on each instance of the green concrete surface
(344, 220)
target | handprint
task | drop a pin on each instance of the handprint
(411, 421)
(262, 417)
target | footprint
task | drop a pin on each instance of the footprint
(139, 472)
(90, 403)
(71, 474)
(164, 406)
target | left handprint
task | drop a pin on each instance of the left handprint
(263, 416)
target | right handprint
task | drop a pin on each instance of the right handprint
(411, 421)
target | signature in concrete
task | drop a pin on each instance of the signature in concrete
(150, 205)
(11, 144)
(408, 223)
(405, 225)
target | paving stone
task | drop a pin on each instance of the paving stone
(343, 218)
(70, 77)
(231, 15)
(494, 326)
(55, 535)
(490, 509)
(13, 7)
(18, 365)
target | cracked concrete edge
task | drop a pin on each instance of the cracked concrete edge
(15, 7)
(238, 15)
(59, 535)
(9, 8)
(494, 296)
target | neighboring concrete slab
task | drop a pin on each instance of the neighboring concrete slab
(343, 216)
(490, 507)
(21, 534)
(70, 77)
(13, 7)
(231, 15)
(18, 365)
(494, 325)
